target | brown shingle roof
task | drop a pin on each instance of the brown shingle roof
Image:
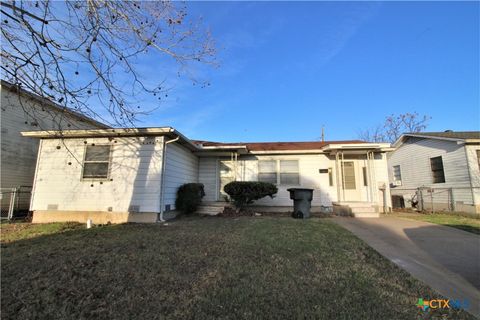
(451, 134)
(271, 146)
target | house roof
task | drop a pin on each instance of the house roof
(276, 146)
(52, 105)
(449, 135)
(207, 147)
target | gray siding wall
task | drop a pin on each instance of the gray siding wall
(181, 167)
(414, 160)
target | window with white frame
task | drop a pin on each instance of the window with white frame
(289, 172)
(397, 174)
(96, 162)
(279, 172)
(267, 171)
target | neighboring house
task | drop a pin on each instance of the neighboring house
(121, 175)
(21, 111)
(439, 168)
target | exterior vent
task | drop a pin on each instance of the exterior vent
(167, 207)
(110, 209)
(134, 208)
(52, 207)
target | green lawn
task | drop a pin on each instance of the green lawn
(13, 231)
(206, 268)
(455, 220)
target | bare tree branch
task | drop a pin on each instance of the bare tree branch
(394, 126)
(83, 54)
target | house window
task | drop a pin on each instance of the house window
(280, 172)
(330, 177)
(365, 177)
(348, 175)
(267, 171)
(97, 162)
(397, 174)
(437, 170)
(289, 172)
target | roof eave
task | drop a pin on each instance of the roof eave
(86, 133)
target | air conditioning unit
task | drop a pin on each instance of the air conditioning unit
(397, 183)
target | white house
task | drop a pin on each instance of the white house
(439, 169)
(121, 175)
(21, 111)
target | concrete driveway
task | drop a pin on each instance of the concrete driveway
(446, 259)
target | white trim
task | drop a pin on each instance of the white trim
(399, 141)
(34, 185)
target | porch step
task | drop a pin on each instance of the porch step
(363, 209)
(356, 209)
(211, 208)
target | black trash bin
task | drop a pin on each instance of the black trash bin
(302, 202)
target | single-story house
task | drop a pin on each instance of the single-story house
(21, 111)
(121, 175)
(436, 170)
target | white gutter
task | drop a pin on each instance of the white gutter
(162, 178)
(222, 147)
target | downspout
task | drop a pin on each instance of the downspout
(162, 178)
(337, 176)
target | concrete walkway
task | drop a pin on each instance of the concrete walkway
(446, 259)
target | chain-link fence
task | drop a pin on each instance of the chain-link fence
(15, 202)
(432, 199)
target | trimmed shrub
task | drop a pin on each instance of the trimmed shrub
(246, 192)
(189, 197)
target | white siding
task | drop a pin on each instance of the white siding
(310, 177)
(309, 165)
(381, 174)
(474, 167)
(18, 153)
(181, 167)
(135, 176)
(414, 159)
(207, 174)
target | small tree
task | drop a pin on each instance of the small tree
(394, 126)
(246, 192)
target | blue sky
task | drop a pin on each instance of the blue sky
(287, 68)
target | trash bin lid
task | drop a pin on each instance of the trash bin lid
(299, 189)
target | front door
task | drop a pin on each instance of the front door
(226, 175)
(351, 182)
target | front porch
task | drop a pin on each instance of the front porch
(350, 179)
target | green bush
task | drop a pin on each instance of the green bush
(246, 192)
(189, 197)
